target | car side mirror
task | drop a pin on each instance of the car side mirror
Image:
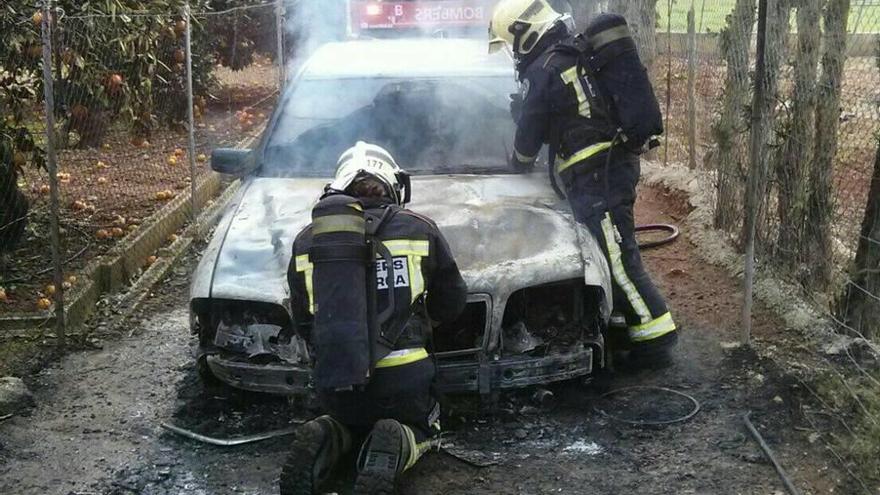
(232, 161)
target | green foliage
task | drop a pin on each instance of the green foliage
(857, 399)
(111, 62)
(20, 86)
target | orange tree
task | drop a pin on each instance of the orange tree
(123, 60)
(20, 87)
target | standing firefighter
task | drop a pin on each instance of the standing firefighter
(589, 98)
(365, 277)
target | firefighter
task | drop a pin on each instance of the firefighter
(589, 99)
(394, 409)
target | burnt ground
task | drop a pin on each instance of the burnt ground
(96, 427)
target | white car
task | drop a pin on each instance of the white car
(539, 286)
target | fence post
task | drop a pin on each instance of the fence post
(279, 40)
(52, 168)
(758, 165)
(191, 121)
(692, 88)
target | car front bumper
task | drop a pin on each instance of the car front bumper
(453, 377)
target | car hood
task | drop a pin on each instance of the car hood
(505, 231)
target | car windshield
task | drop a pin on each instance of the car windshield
(430, 125)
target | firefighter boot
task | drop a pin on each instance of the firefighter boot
(389, 450)
(315, 451)
(654, 354)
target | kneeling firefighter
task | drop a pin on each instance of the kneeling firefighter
(366, 278)
(589, 98)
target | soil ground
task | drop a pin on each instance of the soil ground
(96, 427)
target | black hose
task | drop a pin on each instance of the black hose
(769, 454)
(672, 230)
(639, 422)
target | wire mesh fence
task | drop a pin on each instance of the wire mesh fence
(128, 87)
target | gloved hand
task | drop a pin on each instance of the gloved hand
(516, 106)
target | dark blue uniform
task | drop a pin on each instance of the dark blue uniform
(567, 109)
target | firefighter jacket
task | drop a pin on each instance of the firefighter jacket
(562, 107)
(427, 282)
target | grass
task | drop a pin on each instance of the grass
(864, 16)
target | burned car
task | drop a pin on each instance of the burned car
(539, 288)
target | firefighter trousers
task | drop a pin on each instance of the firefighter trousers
(403, 393)
(605, 207)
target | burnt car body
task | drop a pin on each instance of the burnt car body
(539, 288)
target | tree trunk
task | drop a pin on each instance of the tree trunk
(778, 22)
(819, 205)
(729, 129)
(796, 152)
(642, 18)
(860, 308)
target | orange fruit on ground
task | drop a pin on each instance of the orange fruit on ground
(3, 297)
(150, 260)
(172, 238)
(78, 205)
(37, 18)
(44, 189)
(43, 303)
(202, 157)
(63, 176)
(49, 290)
(102, 180)
(179, 56)
(106, 146)
(119, 220)
(117, 232)
(180, 27)
(102, 234)
(179, 152)
(71, 279)
(172, 160)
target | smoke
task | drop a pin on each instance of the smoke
(438, 105)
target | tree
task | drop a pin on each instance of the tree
(859, 306)
(19, 89)
(793, 159)
(729, 130)
(111, 65)
(819, 205)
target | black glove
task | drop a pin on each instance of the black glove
(516, 106)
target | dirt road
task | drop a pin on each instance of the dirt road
(96, 427)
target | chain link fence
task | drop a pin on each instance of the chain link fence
(140, 99)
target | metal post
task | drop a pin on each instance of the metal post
(758, 164)
(52, 168)
(279, 39)
(692, 88)
(189, 113)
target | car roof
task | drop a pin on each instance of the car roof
(432, 57)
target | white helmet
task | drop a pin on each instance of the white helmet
(365, 159)
(518, 25)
